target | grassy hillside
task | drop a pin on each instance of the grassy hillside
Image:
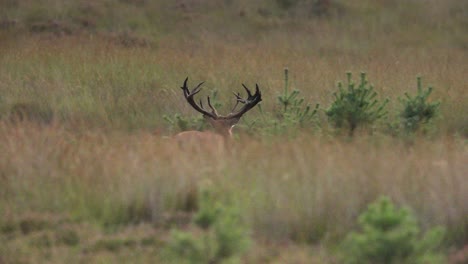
(89, 100)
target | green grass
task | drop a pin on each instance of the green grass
(103, 181)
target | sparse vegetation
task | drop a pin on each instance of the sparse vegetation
(84, 85)
(179, 123)
(223, 237)
(295, 112)
(392, 235)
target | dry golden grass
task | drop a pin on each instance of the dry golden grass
(310, 188)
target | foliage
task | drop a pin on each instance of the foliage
(292, 105)
(223, 235)
(208, 212)
(286, 4)
(293, 113)
(185, 246)
(355, 106)
(391, 235)
(417, 110)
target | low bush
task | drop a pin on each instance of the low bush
(290, 114)
(390, 235)
(416, 110)
(221, 235)
(294, 110)
(355, 105)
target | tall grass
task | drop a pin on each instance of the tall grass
(306, 188)
(122, 88)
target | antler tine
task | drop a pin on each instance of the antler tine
(185, 88)
(197, 89)
(257, 91)
(247, 90)
(194, 91)
(185, 83)
(213, 110)
(239, 99)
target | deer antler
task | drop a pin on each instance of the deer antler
(189, 97)
(249, 102)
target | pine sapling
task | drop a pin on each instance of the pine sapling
(355, 105)
(417, 111)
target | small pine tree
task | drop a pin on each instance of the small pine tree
(186, 248)
(223, 236)
(355, 105)
(209, 211)
(390, 235)
(416, 110)
(293, 109)
(231, 235)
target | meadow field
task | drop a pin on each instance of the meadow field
(90, 99)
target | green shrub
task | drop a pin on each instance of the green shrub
(208, 212)
(391, 235)
(417, 110)
(293, 109)
(293, 112)
(231, 234)
(355, 105)
(286, 4)
(186, 248)
(222, 235)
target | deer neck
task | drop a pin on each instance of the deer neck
(226, 133)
